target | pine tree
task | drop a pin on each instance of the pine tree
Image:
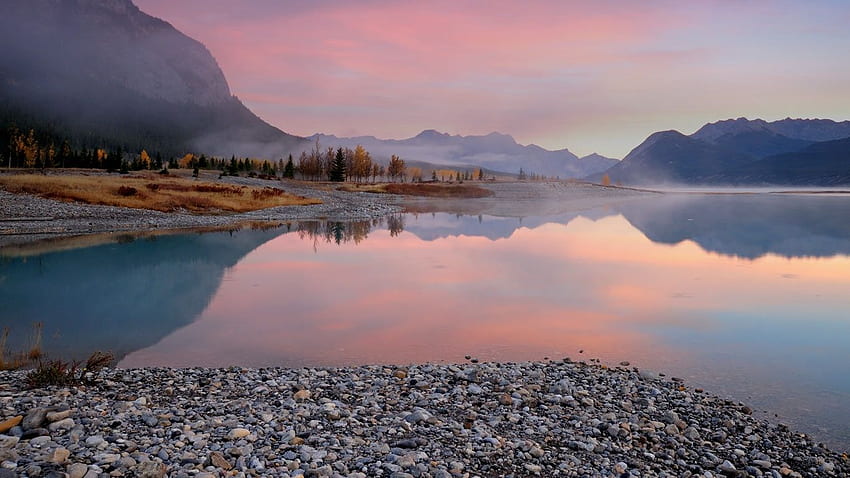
(289, 169)
(338, 167)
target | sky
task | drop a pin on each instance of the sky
(588, 76)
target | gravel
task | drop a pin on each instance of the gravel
(460, 420)
(27, 218)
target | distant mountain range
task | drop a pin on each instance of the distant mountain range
(495, 152)
(796, 152)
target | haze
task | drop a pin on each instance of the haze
(591, 76)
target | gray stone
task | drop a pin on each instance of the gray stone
(77, 470)
(35, 418)
(150, 469)
(64, 424)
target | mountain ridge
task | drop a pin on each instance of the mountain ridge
(742, 152)
(493, 151)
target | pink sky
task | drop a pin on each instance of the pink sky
(589, 76)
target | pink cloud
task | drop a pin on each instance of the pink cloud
(585, 75)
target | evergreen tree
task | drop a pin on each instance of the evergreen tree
(289, 169)
(337, 173)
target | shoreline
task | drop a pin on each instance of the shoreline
(28, 219)
(542, 418)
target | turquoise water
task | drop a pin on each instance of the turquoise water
(744, 295)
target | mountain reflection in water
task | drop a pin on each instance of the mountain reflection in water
(742, 295)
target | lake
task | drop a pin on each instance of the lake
(747, 296)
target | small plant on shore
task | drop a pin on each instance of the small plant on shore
(15, 360)
(51, 372)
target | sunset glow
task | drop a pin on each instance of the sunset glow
(589, 76)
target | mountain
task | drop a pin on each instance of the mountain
(822, 164)
(741, 152)
(102, 71)
(811, 130)
(494, 151)
(672, 157)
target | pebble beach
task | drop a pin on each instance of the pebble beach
(548, 418)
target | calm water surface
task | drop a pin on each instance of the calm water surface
(747, 296)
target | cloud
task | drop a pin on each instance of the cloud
(585, 75)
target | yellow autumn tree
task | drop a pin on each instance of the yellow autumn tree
(186, 161)
(415, 173)
(145, 159)
(101, 156)
(30, 149)
(606, 180)
(362, 164)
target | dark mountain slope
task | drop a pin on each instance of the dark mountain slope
(102, 71)
(821, 164)
(671, 157)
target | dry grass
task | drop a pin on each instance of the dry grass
(424, 190)
(152, 191)
(12, 360)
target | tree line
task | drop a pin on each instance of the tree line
(33, 150)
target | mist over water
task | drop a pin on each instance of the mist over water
(743, 295)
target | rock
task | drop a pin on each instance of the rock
(33, 433)
(59, 455)
(408, 443)
(219, 461)
(56, 416)
(8, 441)
(64, 424)
(648, 375)
(150, 469)
(505, 399)
(400, 374)
(238, 433)
(7, 425)
(35, 418)
(149, 420)
(418, 415)
(562, 387)
(303, 394)
(620, 468)
(77, 470)
(727, 467)
(94, 441)
(407, 460)
(532, 468)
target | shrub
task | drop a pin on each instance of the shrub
(58, 373)
(127, 191)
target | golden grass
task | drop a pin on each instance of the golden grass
(424, 190)
(12, 360)
(151, 191)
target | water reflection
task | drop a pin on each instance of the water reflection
(752, 314)
(748, 225)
